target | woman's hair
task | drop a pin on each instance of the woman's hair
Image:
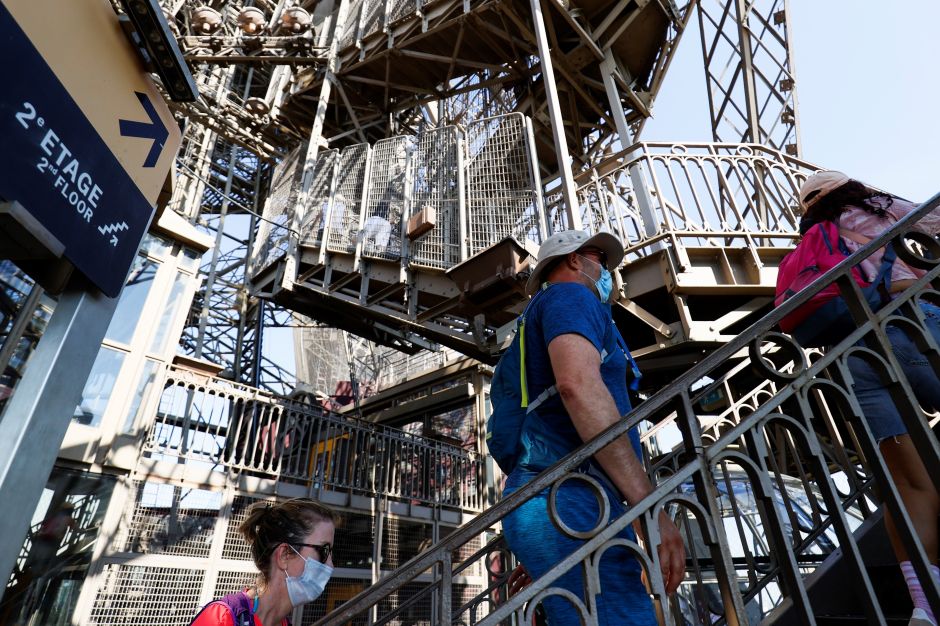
(268, 525)
(852, 193)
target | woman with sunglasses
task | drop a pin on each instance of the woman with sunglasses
(291, 545)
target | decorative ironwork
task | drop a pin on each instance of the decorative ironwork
(795, 444)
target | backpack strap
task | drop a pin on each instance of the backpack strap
(241, 607)
(523, 382)
(635, 374)
(553, 390)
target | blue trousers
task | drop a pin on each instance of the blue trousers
(877, 405)
(539, 545)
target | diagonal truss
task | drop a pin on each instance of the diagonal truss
(347, 81)
(749, 72)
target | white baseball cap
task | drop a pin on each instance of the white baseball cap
(569, 241)
(818, 185)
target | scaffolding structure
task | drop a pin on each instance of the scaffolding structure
(322, 128)
(376, 174)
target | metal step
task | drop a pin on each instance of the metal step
(835, 603)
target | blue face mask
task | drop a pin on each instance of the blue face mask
(309, 585)
(604, 283)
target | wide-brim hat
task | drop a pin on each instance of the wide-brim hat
(818, 185)
(569, 241)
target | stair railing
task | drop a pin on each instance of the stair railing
(235, 428)
(742, 562)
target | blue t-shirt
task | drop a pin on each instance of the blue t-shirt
(561, 309)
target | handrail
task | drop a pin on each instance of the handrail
(242, 429)
(650, 194)
(803, 390)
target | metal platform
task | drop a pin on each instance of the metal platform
(704, 225)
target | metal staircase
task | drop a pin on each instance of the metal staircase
(775, 473)
(445, 139)
(705, 226)
(413, 223)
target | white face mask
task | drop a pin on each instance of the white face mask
(309, 585)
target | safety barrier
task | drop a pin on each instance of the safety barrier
(479, 182)
(774, 466)
(235, 428)
(469, 187)
(693, 194)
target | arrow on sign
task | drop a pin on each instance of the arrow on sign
(154, 130)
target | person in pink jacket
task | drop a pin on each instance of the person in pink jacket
(863, 214)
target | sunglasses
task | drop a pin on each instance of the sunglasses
(325, 549)
(600, 255)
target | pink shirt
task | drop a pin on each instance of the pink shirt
(868, 225)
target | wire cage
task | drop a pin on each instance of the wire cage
(347, 198)
(502, 195)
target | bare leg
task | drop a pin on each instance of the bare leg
(917, 492)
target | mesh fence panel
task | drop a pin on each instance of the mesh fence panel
(157, 596)
(337, 591)
(400, 9)
(465, 551)
(235, 546)
(351, 28)
(354, 541)
(403, 539)
(318, 199)
(417, 614)
(372, 16)
(435, 187)
(344, 215)
(385, 199)
(169, 519)
(273, 234)
(502, 197)
(231, 581)
(463, 594)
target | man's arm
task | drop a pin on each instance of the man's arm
(576, 364)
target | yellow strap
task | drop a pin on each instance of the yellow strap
(523, 387)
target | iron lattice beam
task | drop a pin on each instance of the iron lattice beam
(749, 72)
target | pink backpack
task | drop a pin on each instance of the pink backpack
(819, 251)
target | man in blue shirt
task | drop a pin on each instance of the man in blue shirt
(573, 346)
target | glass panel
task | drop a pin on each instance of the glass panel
(15, 289)
(158, 343)
(142, 392)
(56, 554)
(155, 246)
(98, 389)
(455, 426)
(190, 259)
(129, 308)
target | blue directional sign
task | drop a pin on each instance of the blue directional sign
(55, 162)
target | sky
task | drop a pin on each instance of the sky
(868, 88)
